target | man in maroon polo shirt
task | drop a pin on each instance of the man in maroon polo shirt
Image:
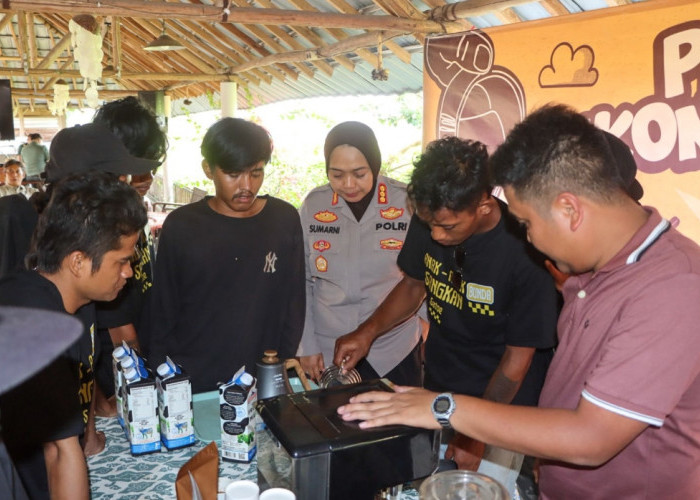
(619, 414)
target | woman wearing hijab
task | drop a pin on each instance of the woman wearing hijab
(354, 228)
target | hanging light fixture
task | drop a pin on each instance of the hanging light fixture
(61, 97)
(164, 42)
(87, 52)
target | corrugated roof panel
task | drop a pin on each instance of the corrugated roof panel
(572, 5)
(531, 11)
(485, 21)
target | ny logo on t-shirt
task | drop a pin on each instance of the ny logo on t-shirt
(270, 260)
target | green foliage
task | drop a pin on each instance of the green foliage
(213, 103)
(292, 181)
(298, 130)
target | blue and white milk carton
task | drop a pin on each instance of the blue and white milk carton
(119, 356)
(141, 409)
(237, 412)
(175, 406)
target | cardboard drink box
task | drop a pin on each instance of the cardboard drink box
(119, 357)
(237, 413)
(175, 406)
(141, 411)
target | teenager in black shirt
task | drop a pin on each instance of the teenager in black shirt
(229, 278)
(491, 303)
(81, 252)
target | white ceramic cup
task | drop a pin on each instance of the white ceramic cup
(277, 494)
(242, 490)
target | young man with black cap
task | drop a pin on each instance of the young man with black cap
(81, 252)
(354, 228)
(125, 319)
(229, 279)
(492, 305)
(75, 149)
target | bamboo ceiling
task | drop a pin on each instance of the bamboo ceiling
(273, 49)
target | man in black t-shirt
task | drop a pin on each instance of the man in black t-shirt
(229, 277)
(81, 252)
(492, 305)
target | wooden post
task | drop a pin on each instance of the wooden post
(229, 99)
(165, 171)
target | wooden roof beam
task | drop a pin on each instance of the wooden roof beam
(74, 73)
(74, 94)
(54, 79)
(337, 33)
(554, 7)
(468, 8)
(241, 55)
(116, 33)
(283, 70)
(246, 15)
(400, 7)
(53, 54)
(297, 45)
(23, 46)
(309, 35)
(148, 62)
(347, 45)
(251, 43)
(31, 34)
(211, 37)
(7, 19)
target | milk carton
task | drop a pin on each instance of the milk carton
(174, 406)
(141, 410)
(119, 356)
(237, 400)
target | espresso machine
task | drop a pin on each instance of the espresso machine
(306, 447)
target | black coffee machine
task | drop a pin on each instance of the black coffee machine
(306, 447)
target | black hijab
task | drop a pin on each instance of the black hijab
(360, 136)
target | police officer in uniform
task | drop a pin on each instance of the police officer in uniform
(354, 228)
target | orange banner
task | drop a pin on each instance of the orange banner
(632, 70)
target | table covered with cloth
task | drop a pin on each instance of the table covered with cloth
(117, 474)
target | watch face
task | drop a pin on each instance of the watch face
(442, 405)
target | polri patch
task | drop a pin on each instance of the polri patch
(321, 264)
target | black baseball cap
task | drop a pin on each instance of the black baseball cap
(92, 147)
(30, 339)
(626, 166)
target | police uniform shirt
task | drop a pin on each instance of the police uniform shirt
(350, 269)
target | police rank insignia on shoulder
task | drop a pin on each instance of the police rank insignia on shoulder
(382, 194)
(321, 264)
(391, 244)
(391, 213)
(325, 216)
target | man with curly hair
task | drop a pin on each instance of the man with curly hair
(491, 303)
